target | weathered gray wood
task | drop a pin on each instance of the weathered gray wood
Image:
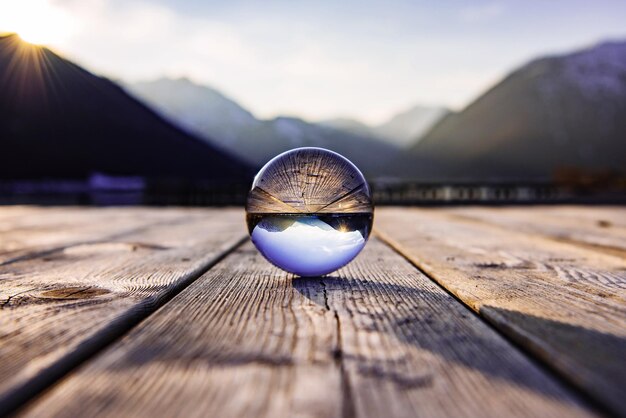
(602, 228)
(563, 303)
(376, 339)
(31, 231)
(57, 309)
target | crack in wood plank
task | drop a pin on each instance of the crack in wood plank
(18, 392)
(476, 263)
(347, 401)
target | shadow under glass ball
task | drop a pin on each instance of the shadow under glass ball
(309, 211)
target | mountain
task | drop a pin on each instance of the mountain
(402, 130)
(211, 115)
(406, 128)
(348, 125)
(58, 121)
(199, 109)
(552, 114)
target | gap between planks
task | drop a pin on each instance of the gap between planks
(538, 361)
(18, 395)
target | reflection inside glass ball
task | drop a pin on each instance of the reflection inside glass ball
(309, 211)
(310, 245)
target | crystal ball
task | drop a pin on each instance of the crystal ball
(309, 211)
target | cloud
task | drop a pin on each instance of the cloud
(482, 13)
(273, 68)
(139, 38)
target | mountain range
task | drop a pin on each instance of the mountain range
(554, 114)
(403, 129)
(551, 115)
(57, 120)
(208, 113)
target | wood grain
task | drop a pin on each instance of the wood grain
(57, 309)
(34, 231)
(309, 180)
(376, 339)
(601, 228)
(563, 303)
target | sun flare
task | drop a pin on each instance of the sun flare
(37, 21)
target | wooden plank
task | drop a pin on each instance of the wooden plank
(17, 211)
(58, 309)
(593, 227)
(563, 303)
(613, 215)
(378, 338)
(32, 232)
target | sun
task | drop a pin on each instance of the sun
(40, 35)
(38, 22)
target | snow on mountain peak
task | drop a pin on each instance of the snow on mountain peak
(599, 71)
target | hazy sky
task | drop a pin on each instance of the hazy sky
(317, 59)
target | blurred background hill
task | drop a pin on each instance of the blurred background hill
(403, 129)
(552, 114)
(224, 123)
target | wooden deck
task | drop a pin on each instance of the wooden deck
(451, 312)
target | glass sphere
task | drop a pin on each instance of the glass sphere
(309, 211)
